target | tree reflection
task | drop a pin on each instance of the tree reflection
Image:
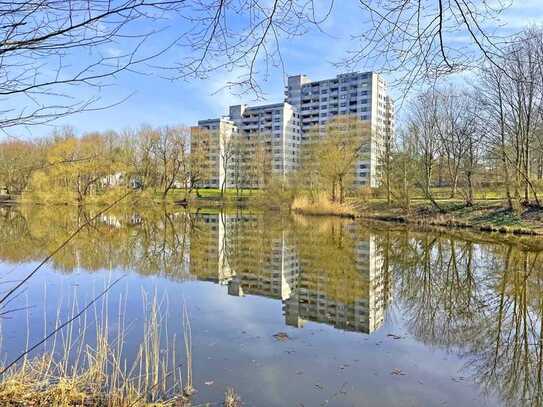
(153, 242)
(479, 298)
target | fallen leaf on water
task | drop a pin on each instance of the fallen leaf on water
(394, 336)
(281, 336)
(398, 372)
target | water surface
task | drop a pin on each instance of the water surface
(288, 310)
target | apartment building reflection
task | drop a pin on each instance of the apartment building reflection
(354, 301)
(313, 283)
(207, 255)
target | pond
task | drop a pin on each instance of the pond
(286, 310)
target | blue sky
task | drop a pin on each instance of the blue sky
(157, 101)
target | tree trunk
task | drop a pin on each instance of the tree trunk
(341, 191)
(454, 186)
(469, 200)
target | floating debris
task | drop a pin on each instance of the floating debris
(394, 336)
(398, 372)
(281, 336)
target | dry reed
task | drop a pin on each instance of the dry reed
(73, 371)
(321, 205)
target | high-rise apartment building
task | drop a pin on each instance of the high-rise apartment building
(217, 135)
(274, 127)
(363, 95)
(252, 142)
(271, 135)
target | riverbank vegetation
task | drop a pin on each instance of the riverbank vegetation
(91, 364)
(463, 154)
(321, 206)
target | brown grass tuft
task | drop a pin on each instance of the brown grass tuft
(231, 399)
(321, 206)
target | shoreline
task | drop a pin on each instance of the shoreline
(452, 224)
(484, 216)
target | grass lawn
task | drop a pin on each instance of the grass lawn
(215, 193)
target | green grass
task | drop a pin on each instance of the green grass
(500, 217)
(209, 193)
(485, 214)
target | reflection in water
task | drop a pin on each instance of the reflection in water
(334, 275)
(481, 300)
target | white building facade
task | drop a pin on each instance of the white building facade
(281, 128)
(360, 94)
(269, 134)
(217, 133)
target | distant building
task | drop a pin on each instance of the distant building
(251, 143)
(217, 133)
(363, 95)
(273, 134)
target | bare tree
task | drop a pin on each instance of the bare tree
(491, 97)
(171, 154)
(332, 155)
(49, 48)
(423, 131)
(458, 135)
(426, 39)
(386, 155)
(512, 113)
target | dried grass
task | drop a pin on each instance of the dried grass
(85, 375)
(321, 206)
(231, 399)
